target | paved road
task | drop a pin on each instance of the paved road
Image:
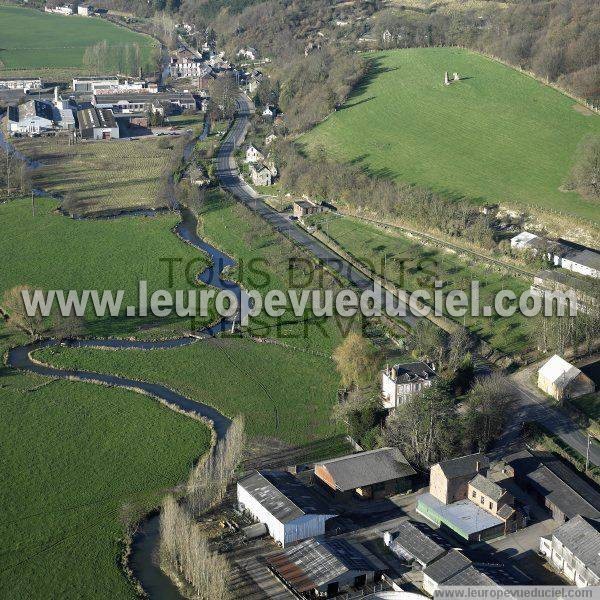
(230, 179)
(532, 407)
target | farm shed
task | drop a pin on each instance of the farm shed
(291, 510)
(415, 543)
(97, 124)
(562, 380)
(554, 485)
(322, 567)
(373, 474)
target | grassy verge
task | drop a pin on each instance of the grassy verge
(105, 175)
(411, 266)
(590, 406)
(73, 455)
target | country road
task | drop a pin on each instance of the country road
(532, 405)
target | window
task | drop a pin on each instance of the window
(474, 494)
(482, 499)
(491, 506)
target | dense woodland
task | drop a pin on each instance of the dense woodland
(557, 39)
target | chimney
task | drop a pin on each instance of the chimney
(477, 466)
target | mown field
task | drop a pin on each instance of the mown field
(55, 252)
(412, 266)
(496, 135)
(116, 174)
(50, 45)
(72, 456)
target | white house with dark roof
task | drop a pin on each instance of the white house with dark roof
(562, 380)
(373, 474)
(402, 381)
(574, 550)
(291, 510)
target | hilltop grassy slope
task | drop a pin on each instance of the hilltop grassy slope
(33, 41)
(497, 135)
(72, 455)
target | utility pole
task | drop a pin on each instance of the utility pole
(587, 454)
(32, 204)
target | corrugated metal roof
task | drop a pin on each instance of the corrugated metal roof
(564, 488)
(408, 538)
(283, 495)
(367, 468)
(582, 538)
(314, 563)
(448, 566)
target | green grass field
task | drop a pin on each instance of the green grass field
(47, 44)
(55, 252)
(412, 266)
(109, 175)
(72, 456)
(497, 135)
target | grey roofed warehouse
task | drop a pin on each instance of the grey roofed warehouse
(366, 470)
(284, 496)
(410, 542)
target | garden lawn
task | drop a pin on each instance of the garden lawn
(105, 175)
(495, 136)
(412, 266)
(51, 251)
(45, 45)
(72, 455)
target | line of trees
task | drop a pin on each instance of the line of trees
(326, 179)
(15, 175)
(124, 58)
(186, 552)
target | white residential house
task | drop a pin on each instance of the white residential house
(523, 240)
(260, 175)
(248, 53)
(574, 550)
(85, 10)
(562, 380)
(253, 155)
(291, 510)
(402, 381)
(269, 111)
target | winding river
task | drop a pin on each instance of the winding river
(142, 559)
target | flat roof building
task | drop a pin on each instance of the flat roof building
(373, 474)
(291, 510)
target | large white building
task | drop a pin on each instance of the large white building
(290, 509)
(562, 380)
(21, 83)
(32, 118)
(574, 550)
(402, 381)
